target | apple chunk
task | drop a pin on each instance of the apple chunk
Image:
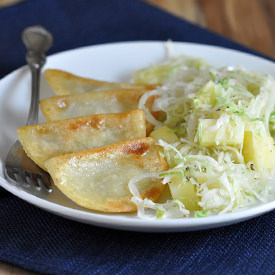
(213, 132)
(260, 150)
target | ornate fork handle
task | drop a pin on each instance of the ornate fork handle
(18, 168)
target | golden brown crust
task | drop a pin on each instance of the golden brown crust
(111, 101)
(116, 148)
(108, 161)
(45, 140)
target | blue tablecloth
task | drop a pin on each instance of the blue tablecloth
(42, 242)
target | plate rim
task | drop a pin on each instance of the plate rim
(137, 224)
(115, 221)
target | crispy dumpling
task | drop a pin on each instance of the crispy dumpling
(69, 106)
(98, 178)
(115, 101)
(64, 83)
(45, 140)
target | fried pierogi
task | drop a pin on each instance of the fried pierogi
(69, 106)
(45, 140)
(98, 178)
(115, 101)
(64, 83)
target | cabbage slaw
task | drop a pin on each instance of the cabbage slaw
(189, 89)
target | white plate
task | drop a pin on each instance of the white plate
(113, 62)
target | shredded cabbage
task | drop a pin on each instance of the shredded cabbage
(189, 90)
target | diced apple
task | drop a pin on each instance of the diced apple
(207, 95)
(260, 150)
(164, 133)
(213, 132)
(184, 190)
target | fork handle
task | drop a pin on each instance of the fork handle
(37, 41)
(35, 62)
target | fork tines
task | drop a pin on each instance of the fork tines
(28, 179)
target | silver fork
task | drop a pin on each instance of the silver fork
(18, 167)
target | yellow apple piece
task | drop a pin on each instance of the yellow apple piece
(207, 95)
(260, 150)
(230, 132)
(185, 191)
(164, 133)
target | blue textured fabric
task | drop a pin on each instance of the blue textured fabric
(42, 242)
